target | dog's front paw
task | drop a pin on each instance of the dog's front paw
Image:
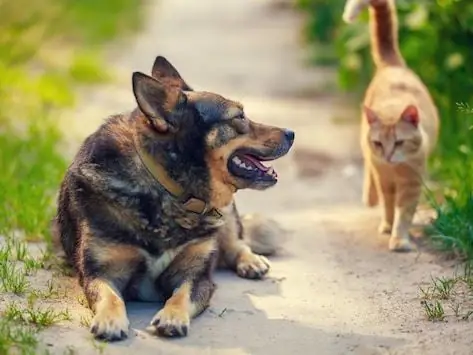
(252, 266)
(171, 321)
(110, 327)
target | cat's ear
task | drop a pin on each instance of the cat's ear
(410, 115)
(370, 115)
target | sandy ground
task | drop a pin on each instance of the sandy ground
(335, 289)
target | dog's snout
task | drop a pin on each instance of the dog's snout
(289, 135)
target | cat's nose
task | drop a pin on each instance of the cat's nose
(389, 157)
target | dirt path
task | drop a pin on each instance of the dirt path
(336, 289)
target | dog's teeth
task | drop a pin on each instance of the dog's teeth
(242, 164)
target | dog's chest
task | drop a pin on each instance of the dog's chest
(154, 266)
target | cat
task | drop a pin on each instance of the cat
(399, 128)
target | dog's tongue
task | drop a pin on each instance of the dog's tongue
(256, 162)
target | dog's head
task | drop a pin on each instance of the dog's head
(210, 145)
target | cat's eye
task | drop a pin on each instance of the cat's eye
(398, 143)
(377, 144)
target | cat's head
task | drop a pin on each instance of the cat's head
(394, 139)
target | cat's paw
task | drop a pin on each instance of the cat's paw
(401, 244)
(385, 228)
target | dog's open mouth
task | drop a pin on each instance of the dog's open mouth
(250, 167)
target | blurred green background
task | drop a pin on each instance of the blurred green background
(436, 39)
(46, 53)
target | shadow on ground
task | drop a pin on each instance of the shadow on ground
(241, 328)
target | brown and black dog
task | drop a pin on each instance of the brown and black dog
(146, 208)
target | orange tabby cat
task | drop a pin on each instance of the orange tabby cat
(399, 126)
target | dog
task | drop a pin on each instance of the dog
(146, 210)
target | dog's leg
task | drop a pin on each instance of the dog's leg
(235, 252)
(106, 269)
(238, 256)
(110, 321)
(188, 300)
(189, 279)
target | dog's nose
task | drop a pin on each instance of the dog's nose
(289, 135)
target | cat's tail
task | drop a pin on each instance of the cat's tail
(383, 28)
(263, 235)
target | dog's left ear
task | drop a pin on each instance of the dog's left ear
(157, 101)
(165, 72)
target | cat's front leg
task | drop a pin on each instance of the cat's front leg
(386, 189)
(407, 197)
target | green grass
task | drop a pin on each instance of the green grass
(19, 326)
(17, 338)
(448, 298)
(16, 264)
(40, 317)
(452, 230)
(13, 278)
(28, 183)
(434, 311)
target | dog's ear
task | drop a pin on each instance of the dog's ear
(157, 100)
(165, 72)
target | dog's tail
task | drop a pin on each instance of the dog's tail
(383, 28)
(263, 235)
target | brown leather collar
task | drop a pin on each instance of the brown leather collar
(189, 202)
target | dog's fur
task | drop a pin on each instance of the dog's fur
(128, 237)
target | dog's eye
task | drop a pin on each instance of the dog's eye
(398, 143)
(240, 116)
